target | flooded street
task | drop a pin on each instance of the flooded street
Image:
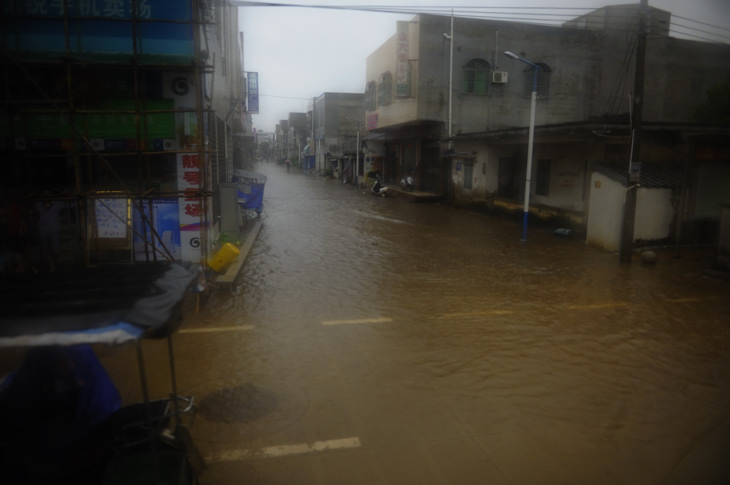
(377, 341)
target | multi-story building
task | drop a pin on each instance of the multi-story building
(338, 125)
(265, 144)
(464, 133)
(128, 114)
(300, 129)
(281, 147)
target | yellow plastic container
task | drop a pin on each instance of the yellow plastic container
(224, 257)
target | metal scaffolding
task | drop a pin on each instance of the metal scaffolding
(119, 136)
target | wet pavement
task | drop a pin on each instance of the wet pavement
(375, 341)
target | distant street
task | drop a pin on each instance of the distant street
(376, 341)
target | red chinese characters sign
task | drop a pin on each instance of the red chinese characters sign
(401, 70)
(189, 182)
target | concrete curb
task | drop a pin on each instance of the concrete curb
(234, 268)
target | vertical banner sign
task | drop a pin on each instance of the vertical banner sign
(253, 92)
(190, 206)
(189, 168)
(401, 68)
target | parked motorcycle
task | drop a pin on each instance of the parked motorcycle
(407, 183)
(379, 189)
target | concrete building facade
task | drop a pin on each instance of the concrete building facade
(337, 127)
(464, 136)
(300, 130)
(123, 116)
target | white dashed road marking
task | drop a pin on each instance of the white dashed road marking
(284, 450)
(361, 320)
(235, 328)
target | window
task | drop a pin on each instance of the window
(370, 92)
(543, 80)
(476, 75)
(542, 183)
(385, 89)
(468, 175)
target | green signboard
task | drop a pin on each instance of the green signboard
(114, 119)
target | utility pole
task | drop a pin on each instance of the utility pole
(627, 233)
(450, 37)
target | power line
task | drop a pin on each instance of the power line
(539, 15)
(406, 9)
(716, 36)
(284, 97)
(701, 23)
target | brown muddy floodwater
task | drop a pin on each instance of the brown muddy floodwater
(373, 340)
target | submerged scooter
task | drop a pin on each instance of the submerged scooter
(379, 189)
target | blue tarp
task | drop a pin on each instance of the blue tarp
(251, 196)
(56, 396)
(308, 162)
(250, 189)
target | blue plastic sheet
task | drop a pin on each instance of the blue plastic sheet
(252, 197)
(56, 396)
(250, 189)
(308, 162)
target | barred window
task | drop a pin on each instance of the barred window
(385, 89)
(370, 96)
(543, 80)
(476, 76)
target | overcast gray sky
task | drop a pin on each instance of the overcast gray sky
(301, 53)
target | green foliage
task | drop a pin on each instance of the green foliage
(226, 238)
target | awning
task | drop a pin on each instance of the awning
(111, 304)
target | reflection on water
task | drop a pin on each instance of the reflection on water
(549, 337)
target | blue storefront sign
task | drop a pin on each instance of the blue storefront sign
(252, 83)
(163, 27)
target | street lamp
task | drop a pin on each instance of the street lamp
(450, 37)
(531, 138)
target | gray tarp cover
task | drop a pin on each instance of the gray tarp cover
(110, 304)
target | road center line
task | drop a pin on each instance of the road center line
(597, 306)
(687, 300)
(234, 328)
(361, 320)
(476, 314)
(284, 450)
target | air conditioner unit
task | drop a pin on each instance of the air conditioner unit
(499, 77)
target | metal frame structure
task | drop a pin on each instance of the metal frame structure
(92, 175)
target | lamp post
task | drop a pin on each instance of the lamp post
(531, 138)
(450, 37)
